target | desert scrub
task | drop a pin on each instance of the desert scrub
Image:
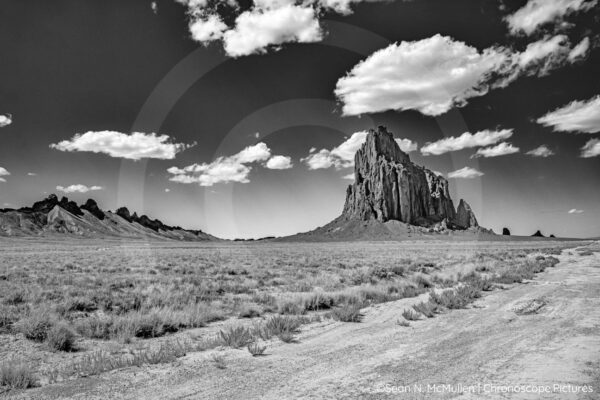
(425, 309)
(347, 313)
(61, 338)
(256, 349)
(36, 326)
(410, 315)
(236, 337)
(16, 375)
(219, 361)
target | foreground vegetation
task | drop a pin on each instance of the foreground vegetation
(71, 301)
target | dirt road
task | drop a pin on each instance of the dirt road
(488, 344)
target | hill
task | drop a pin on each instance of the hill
(52, 216)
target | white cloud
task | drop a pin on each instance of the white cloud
(255, 30)
(154, 7)
(31, 174)
(266, 24)
(207, 29)
(3, 172)
(541, 151)
(501, 149)
(539, 12)
(465, 173)
(439, 73)
(591, 149)
(466, 140)
(5, 120)
(167, 190)
(78, 188)
(279, 162)
(223, 169)
(406, 145)
(579, 51)
(575, 211)
(349, 177)
(577, 116)
(121, 145)
(430, 75)
(339, 157)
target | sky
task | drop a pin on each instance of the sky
(242, 118)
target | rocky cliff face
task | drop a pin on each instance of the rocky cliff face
(388, 186)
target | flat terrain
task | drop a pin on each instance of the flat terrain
(541, 331)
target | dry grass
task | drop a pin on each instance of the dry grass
(125, 295)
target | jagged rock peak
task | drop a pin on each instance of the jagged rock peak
(505, 231)
(123, 212)
(465, 218)
(91, 206)
(388, 186)
(538, 234)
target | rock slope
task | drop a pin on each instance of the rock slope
(53, 216)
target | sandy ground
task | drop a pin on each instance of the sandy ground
(488, 344)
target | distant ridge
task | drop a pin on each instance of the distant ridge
(52, 216)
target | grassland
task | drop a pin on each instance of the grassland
(83, 308)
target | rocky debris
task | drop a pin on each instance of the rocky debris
(538, 234)
(465, 218)
(388, 186)
(505, 232)
(91, 206)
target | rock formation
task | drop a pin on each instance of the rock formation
(505, 232)
(538, 234)
(53, 216)
(465, 218)
(388, 186)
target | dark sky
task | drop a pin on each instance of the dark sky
(86, 65)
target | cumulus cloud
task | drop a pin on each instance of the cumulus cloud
(349, 177)
(223, 169)
(577, 116)
(430, 75)
(536, 13)
(5, 120)
(501, 149)
(439, 73)
(264, 25)
(255, 31)
(465, 173)
(465, 141)
(406, 145)
(279, 162)
(339, 157)
(3, 173)
(575, 211)
(78, 188)
(591, 149)
(121, 145)
(541, 151)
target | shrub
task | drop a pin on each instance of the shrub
(410, 315)
(219, 361)
(424, 308)
(249, 311)
(286, 337)
(277, 325)
(403, 323)
(319, 301)
(36, 326)
(61, 338)
(347, 313)
(94, 327)
(236, 337)
(256, 349)
(422, 282)
(16, 375)
(291, 307)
